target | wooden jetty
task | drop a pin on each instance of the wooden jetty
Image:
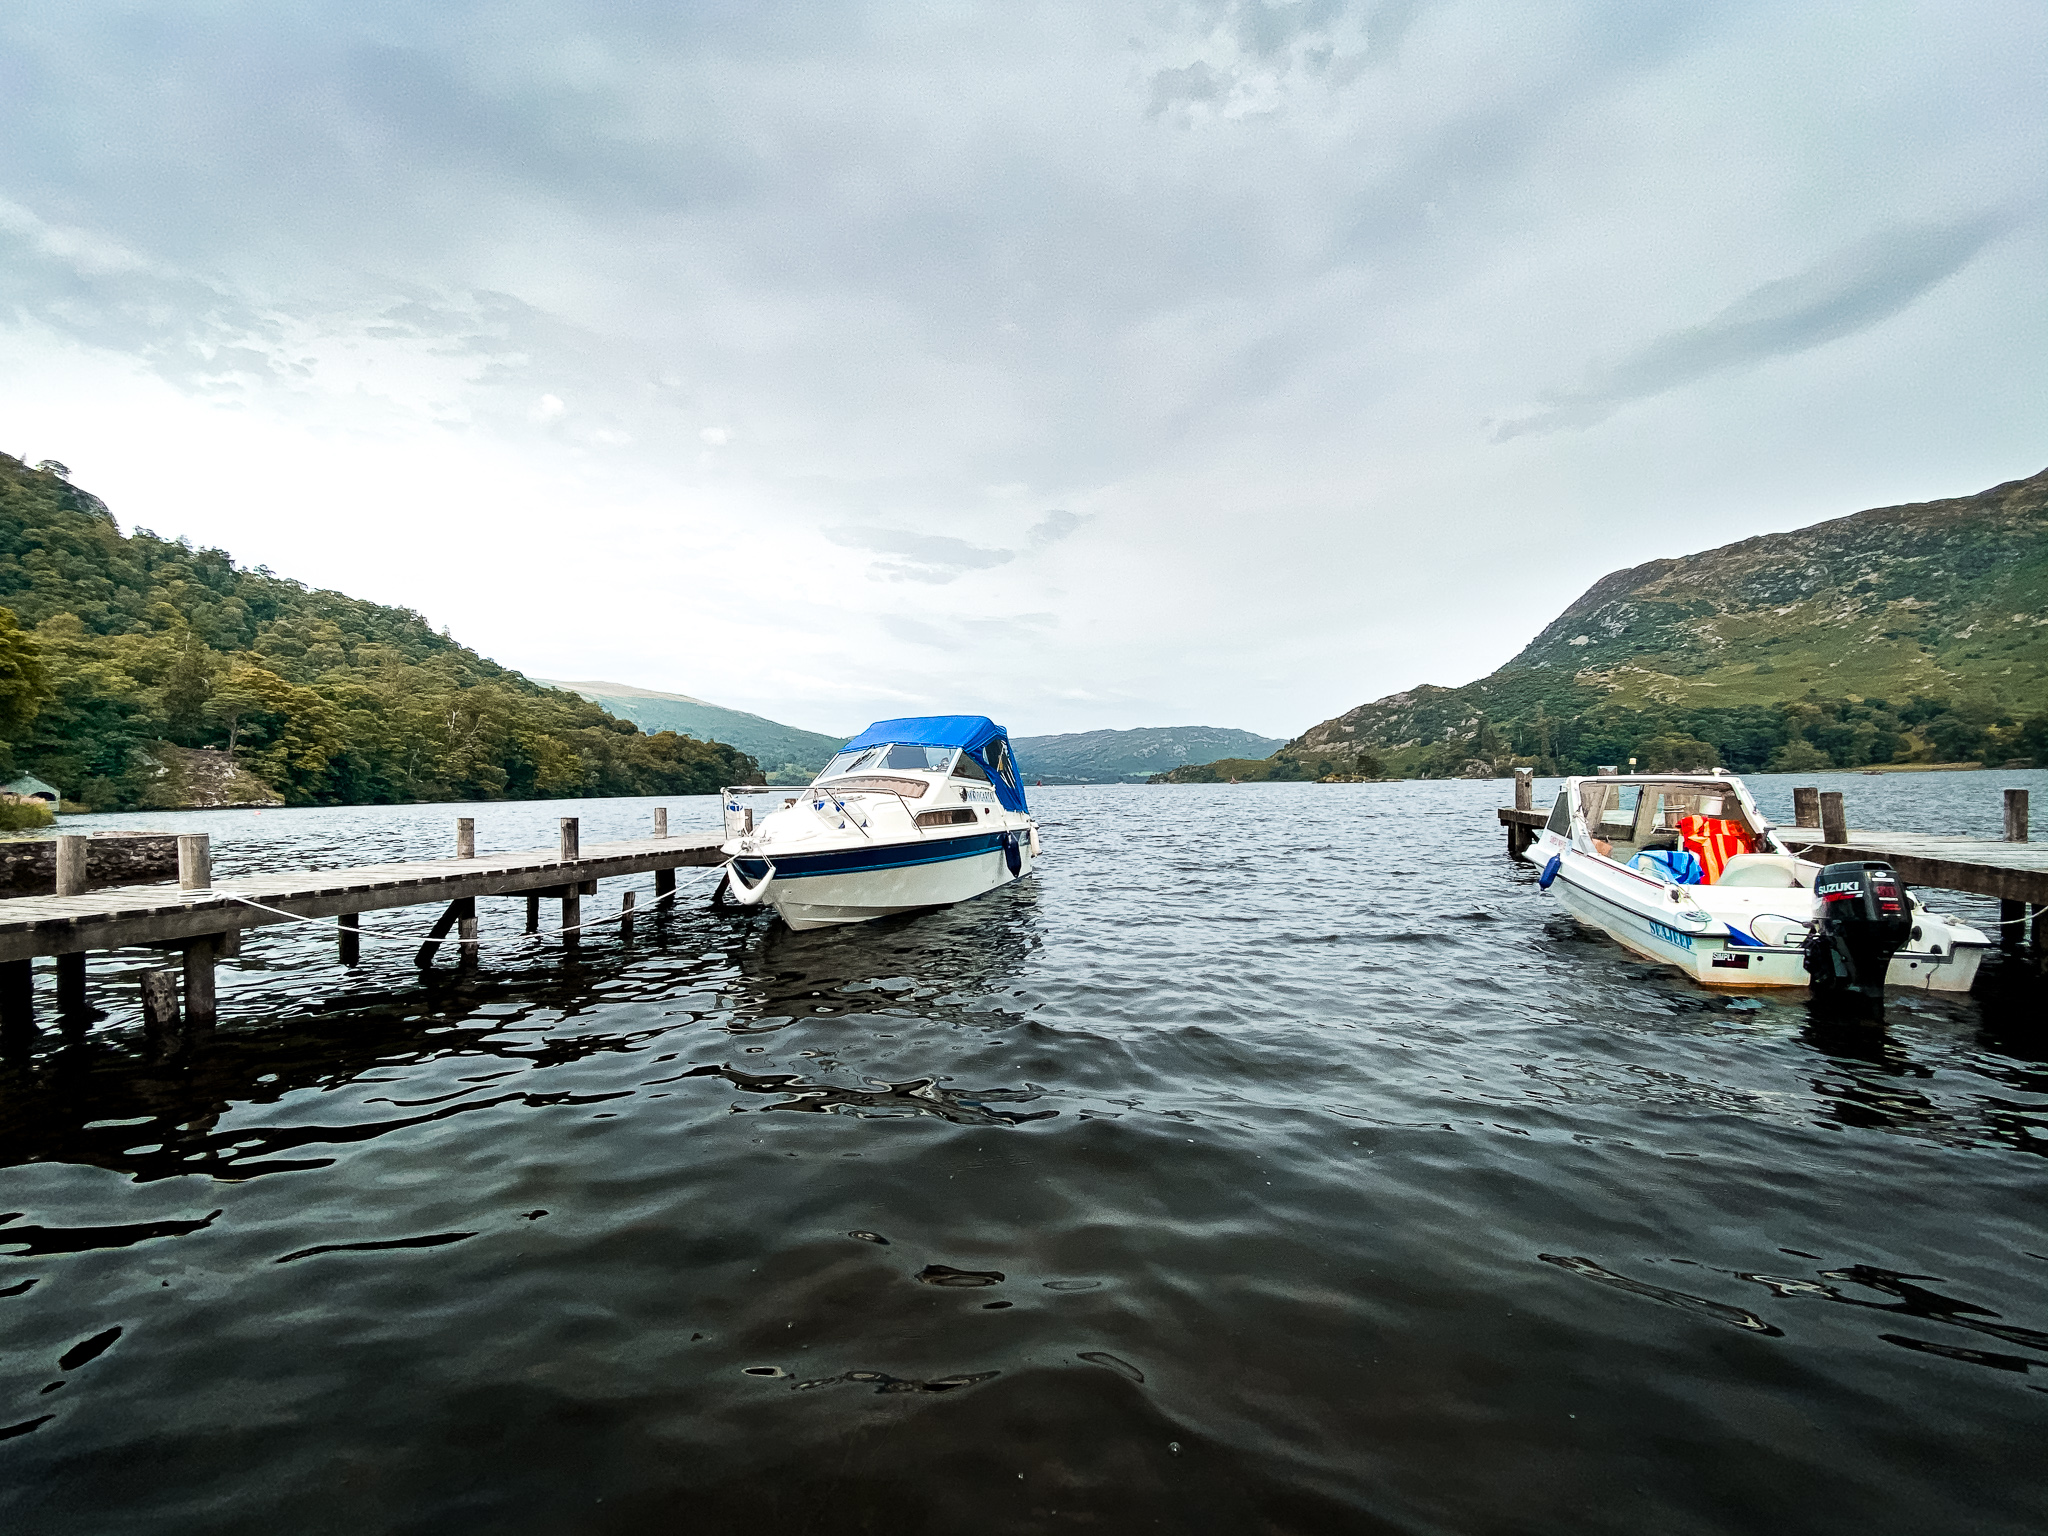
(2013, 871)
(205, 919)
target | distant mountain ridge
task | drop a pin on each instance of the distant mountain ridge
(786, 753)
(1901, 632)
(1132, 756)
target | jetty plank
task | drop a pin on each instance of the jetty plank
(32, 926)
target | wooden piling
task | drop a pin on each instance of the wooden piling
(572, 913)
(1520, 837)
(17, 1002)
(1806, 807)
(626, 917)
(201, 1006)
(572, 839)
(71, 881)
(160, 999)
(350, 927)
(2012, 915)
(195, 861)
(447, 920)
(533, 911)
(466, 947)
(661, 821)
(465, 837)
(71, 876)
(71, 991)
(664, 887)
(1834, 820)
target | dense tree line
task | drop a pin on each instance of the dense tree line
(1799, 736)
(112, 643)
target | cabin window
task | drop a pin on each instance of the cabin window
(968, 768)
(849, 762)
(919, 759)
(959, 816)
(999, 759)
(897, 755)
(1561, 816)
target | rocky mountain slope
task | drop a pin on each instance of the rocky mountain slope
(1917, 630)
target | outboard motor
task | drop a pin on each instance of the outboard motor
(1863, 920)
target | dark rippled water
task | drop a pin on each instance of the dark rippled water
(1277, 1160)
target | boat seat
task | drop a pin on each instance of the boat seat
(1766, 871)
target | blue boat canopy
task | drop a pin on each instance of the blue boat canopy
(977, 735)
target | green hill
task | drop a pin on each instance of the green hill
(114, 646)
(1131, 756)
(789, 755)
(1911, 633)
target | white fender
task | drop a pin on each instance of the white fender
(748, 895)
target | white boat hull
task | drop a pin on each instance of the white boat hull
(826, 900)
(1712, 961)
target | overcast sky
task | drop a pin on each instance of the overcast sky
(1085, 365)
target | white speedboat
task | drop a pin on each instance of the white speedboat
(913, 813)
(1683, 868)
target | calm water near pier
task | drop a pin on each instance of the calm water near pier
(1277, 1160)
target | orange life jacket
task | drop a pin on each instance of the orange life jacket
(1713, 840)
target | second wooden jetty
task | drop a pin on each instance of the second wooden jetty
(205, 918)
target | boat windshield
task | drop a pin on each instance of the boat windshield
(1637, 816)
(890, 755)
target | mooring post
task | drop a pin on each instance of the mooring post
(465, 931)
(626, 917)
(350, 927)
(195, 861)
(160, 999)
(533, 911)
(661, 821)
(1519, 836)
(71, 881)
(2012, 915)
(1834, 820)
(200, 1002)
(664, 887)
(1806, 807)
(572, 891)
(465, 837)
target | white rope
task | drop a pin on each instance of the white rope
(415, 938)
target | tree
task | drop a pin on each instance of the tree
(1676, 753)
(24, 681)
(231, 705)
(1798, 756)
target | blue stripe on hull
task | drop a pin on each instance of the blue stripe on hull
(857, 861)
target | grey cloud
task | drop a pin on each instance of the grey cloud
(1851, 291)
(938, 558)
(1053, 527)
(1182, 86)
(928, 557)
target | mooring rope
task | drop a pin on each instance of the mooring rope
(415, 938)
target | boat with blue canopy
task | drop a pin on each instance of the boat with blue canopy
(910, 814)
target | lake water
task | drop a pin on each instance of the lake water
(1278, 1159)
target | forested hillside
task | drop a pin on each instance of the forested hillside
(1902, 634)
(113, 644)
(790, 755)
